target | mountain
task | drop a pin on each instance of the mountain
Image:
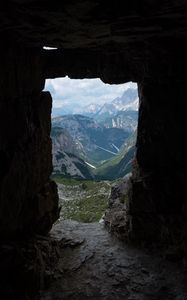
(76, 125)
(58, 111)
(63, 141)
(70, 165)
(66, 155)
(89, 110)
(94, 141)
(119, 165)
(123, 119)
(100, 142)
(127, 102)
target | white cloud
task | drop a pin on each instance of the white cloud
(83, 91)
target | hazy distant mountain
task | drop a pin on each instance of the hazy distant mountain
(89, 110)
(128, 101)
(58, 111)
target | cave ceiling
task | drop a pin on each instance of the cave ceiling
(136, 31)
(93, 24)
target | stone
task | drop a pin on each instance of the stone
(158, 188)
(116, 216)
(25, 190)
(27, 266)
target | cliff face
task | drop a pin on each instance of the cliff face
(146, 43)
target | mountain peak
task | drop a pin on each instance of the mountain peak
(128, 101)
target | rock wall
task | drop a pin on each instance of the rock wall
(28, 199)
(158, 203)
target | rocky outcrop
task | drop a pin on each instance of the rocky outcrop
(116, 216)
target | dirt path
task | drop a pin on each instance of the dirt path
(94, 265)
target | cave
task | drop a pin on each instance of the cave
(143, 42)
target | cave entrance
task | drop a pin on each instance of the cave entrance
(93, 135)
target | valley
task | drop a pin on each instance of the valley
(99, 144)
(92, 152)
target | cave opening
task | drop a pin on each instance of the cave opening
(144, 43)
(93, 132)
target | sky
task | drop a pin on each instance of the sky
(82, 92)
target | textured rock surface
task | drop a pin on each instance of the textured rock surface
(26, 266)
(93, 265)
(116, 217)
(28, 200)
(159, 187)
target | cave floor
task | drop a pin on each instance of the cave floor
(95, 265)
